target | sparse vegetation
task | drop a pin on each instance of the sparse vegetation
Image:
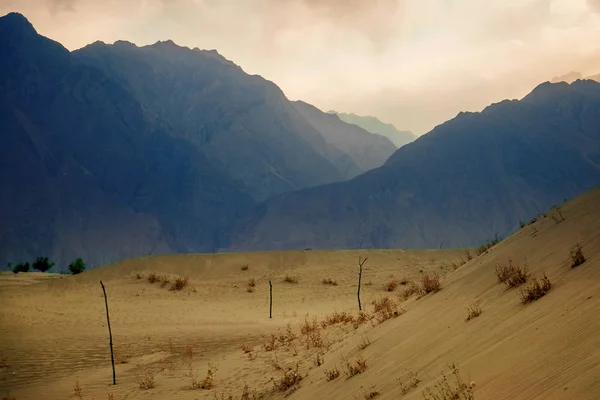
(391, 285)
(252, 282)
(77, 391)
(146, 381)
(468, 255)
(290, 279)
(450, 390)
(535, 289)
(385, 309)
(312, 331)
(473, 311)
(245, 348)
(577, 257)
(244, 267)
(337, 318)
(179, 284)
(371, 394)
(364, 343)
(357, 367)
(411, 289)
(319, 360)
(20, 267)
(3, 362)
(209, 379)
(556, 214)
(403, 281)
(430, 283)
(332, 374)
(153, 277)
(123, 354)
(410, 383)
(482, 249)
(289, 379)
(77, 266)
(42, 264)
(329, 281)
(512, 275)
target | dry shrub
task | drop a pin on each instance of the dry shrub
(404, 281)
(430, 283)
(362, 318)
(153, 277)
(332, 374)
(164, 281)
(329, 281)
(290, 279)
(139, 275)
(556, 214)
(518, 278)
(385, 309)
(209, 379)
(147, 381)
(473, 311)
(503, 272)
(488, 245)
(357, 367)
(319, 360)
(244, 267)
(180, 283)
(288, 336)
(290, 378)
(312, 331)
(245, 348)
(252, 282)
(391, 285)
(411, 382)
(577, 257)
(250, 289)
(450, 390)
(275, 363)
(371, 394)
(77, 390)
(271, 343)
(468, 255)
(535, 289)
(364, 343)
(123, 354)
(337, 318)
(411, 289)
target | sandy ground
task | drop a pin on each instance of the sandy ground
(53, 333)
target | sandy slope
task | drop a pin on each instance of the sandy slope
(53, 330)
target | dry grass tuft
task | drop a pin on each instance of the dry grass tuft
(473, 311)
(512, 275)
(430, 283)
(391, 285)
(123, 354)
(371, 394)
(209, 379)
(337, 318)
(147, 381)
(577, 257)
(364, 343)
(503, 272)
(153, 277)
(385, 309)
(77, 391)
(289, 379)
(411, 382)
(404, 281)
(332, 374)
(488, 245)
(250, 289)
(319, 360)
(556, 214)
(252, 282)
(329, 281)
(271, 343)
(139, 275)
(245, 348)
(290, 279)
(312, 331)
(244, 267)
(410, 289)
(180, 283)
(535, 289)
(357, 367)
(447, 390)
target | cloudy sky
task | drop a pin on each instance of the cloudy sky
(415, 63)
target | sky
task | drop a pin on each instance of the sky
(414, 63)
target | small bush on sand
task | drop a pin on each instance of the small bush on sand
(337, 318)
(473, 311)
(290, 378)
(357, 367)
(430, 283)
(409, 383)
(577, 257)
(42, 264)
(371, 394)
(391, 285)
(244, 267)
(153, 277)
(20, 267)
(445, 389)
(503, 272)
(252, 282)
(245, 348)
(410, 289)
(517, 279)
(209, 380)
(332, 374)
(488, 245)
(385, 309)
(77, 391)
(179, 284)
(77, 266)
(312, 332)
(468, 255)
(404, 281)
(535, 289)
(556, 214)
(329, 281)
(250, 289)
(290, 279)
(364, 343)
(147, 381)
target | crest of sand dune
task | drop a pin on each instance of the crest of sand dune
(54, 338)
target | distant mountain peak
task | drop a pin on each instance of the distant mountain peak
(15, 23)
(568, 77)
(375, 125)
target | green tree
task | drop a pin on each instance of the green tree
(77, 266)
(42, 264)
(21, 267)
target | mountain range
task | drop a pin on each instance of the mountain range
(114, 151)
(374, 125)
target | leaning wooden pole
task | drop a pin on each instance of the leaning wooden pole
(112, 356)
(360, 269)
(270, 300)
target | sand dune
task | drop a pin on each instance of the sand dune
(54, 332)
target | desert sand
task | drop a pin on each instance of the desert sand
(54, 338)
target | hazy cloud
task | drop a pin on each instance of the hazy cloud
(415, 63)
